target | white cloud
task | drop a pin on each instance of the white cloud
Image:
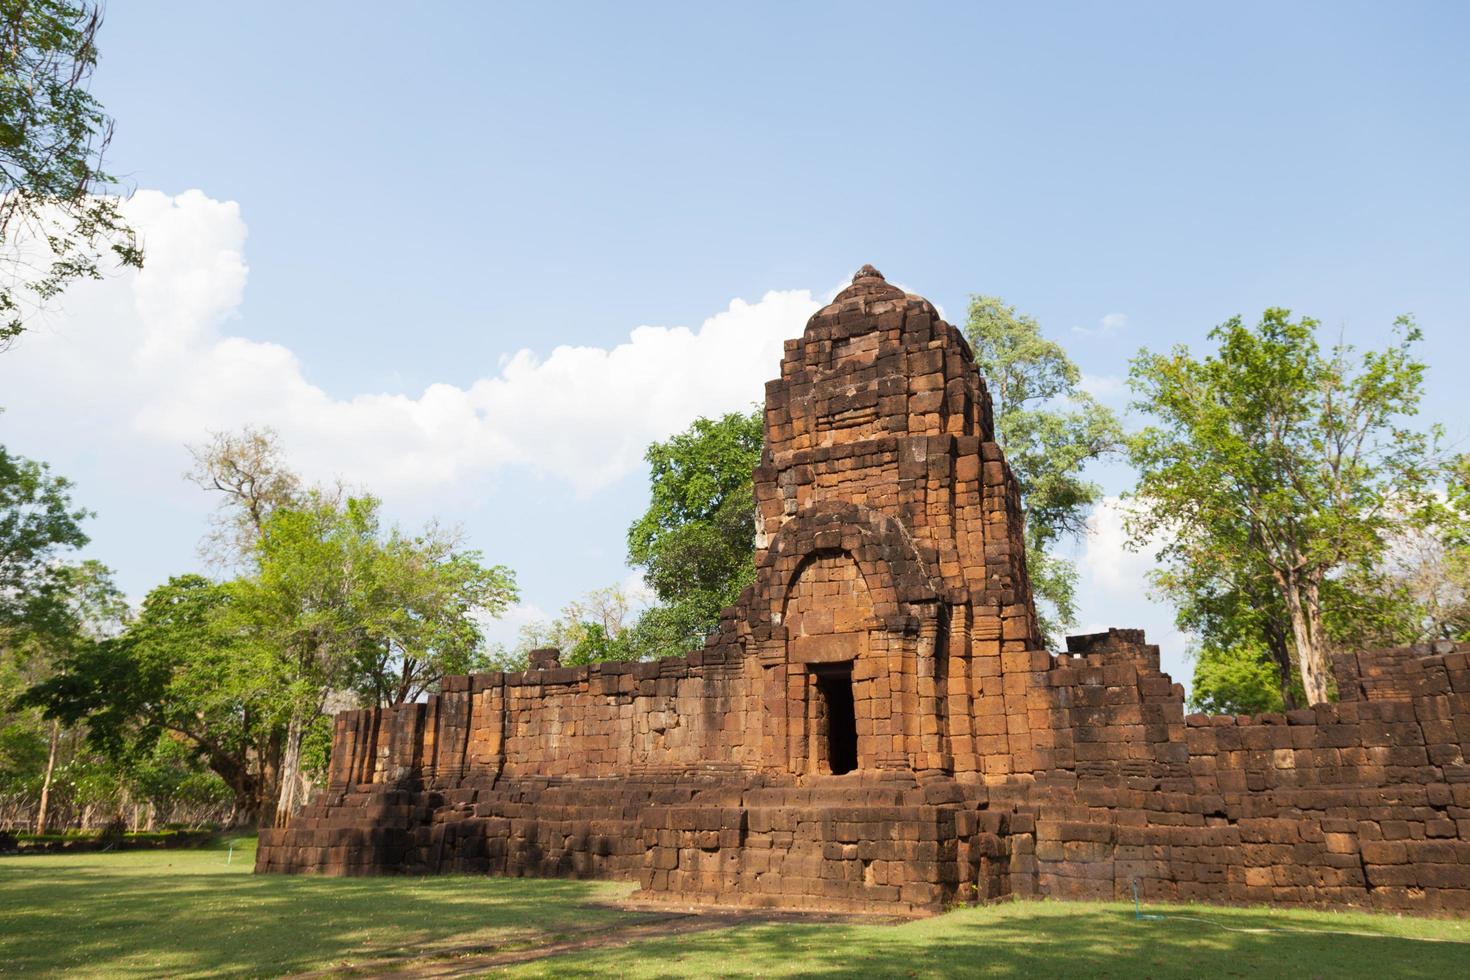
(1112, 588)
(638, 591)
(149, 351)
(1103, 387)
(1107, 562)
(1107, 326)
(506, 628)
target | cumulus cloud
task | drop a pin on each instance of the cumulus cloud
(505, 629)
(1113, 588)
(151, 351)
(1103, 387)
(637, 589)
(1107, 326)
(1107, 561)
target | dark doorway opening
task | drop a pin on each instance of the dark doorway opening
(835, 685)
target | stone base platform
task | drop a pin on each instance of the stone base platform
(876, 842)
(870, 842)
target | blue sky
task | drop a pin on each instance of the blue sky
(422, 239)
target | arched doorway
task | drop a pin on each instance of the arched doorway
(828, 614)
(842, 599)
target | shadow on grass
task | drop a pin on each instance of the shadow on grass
(124, 917)
(190, 913)
(1033, 940)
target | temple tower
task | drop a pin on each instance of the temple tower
(891, 575)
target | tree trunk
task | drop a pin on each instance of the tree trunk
(1311, 651)
(290, 770)
(246, 809)
(1312, 601)
(248, 795)
(46, 783)
(1281, 657)
(270, 777)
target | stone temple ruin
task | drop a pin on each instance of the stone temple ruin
(877, 726)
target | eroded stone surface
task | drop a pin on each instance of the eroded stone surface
(890, 630)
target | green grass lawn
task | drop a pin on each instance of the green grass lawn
(188, 912)
(1055, 939)
(172, 913)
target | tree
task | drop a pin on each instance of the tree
(589, 630)
(696, 541)
(177, 672)
(38, 521)
(1424, 571)
(335, 606)
(249, 469)
(424, 598)
(1050, 430)
(56, 217)
(304, 608)
(170, 781)
(1235, 680)
(1237, 618)
(45, 605)
(1236, 613)
(76, 608)
(1272, 461)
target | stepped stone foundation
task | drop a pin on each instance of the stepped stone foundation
(876, 725)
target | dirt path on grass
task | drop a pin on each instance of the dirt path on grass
(472, 959)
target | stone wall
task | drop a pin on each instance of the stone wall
(1357, 803)
(875, 724)
(580, 722)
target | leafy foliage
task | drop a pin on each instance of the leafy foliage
(56, 221)
(1050, 430)
(174, 675)
(38, 521)
(248, 469)
(1237, 680)
(335, 606)
(696, 541)
(238, 677)
(591, 629)
(422, 604)
(1274, 469)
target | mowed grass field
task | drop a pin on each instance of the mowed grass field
(202, 913)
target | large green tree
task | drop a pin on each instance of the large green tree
(1050, 430)
(696, 541)
(1272, 470)
(1238, 618)
(336, 604)
(239, 676)
(66, 645)
(46, 606)
(175, 675)
(78, 608)
(305, 607)
(57, 219)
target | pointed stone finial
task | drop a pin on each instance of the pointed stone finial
(868, 272)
